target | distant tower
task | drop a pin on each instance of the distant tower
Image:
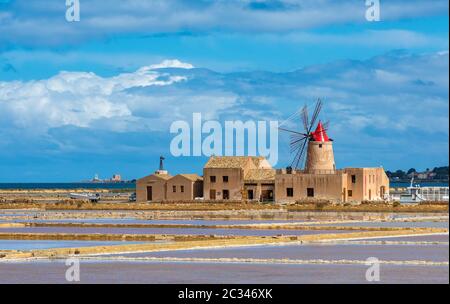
(320, 156)
(161, 166)
(161, 163)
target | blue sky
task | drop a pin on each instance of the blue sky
(99, 95)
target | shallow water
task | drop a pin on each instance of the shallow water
(208, 273)
(177, 231)
(438, 253)
(47, 244)
(417, 238)
(167, 222)
(425, 224)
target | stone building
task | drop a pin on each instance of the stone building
(152, 187)
(259, 185)
(224, 177)
(346, 185)
(184, 187)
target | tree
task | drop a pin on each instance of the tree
(400, 174)
(412, 170)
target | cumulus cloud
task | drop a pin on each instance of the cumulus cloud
(78, 98)
(394, 104)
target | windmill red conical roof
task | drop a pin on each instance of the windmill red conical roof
(320, 134)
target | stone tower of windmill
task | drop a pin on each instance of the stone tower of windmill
(320, 156)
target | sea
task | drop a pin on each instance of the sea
(131, 185)
(49, 186)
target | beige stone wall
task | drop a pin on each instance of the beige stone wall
(234, 185)
(178, 181)
(356, 187)
(374, 179)
(320, 158)
(158, 185)
(368, 185)
(326, 186)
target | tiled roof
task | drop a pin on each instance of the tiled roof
(192, 177)
(260, 175)
(163, 176)
(232, 161)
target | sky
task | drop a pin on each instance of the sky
(98, 96)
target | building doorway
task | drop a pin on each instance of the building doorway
(149, 193)
(212, 194)
(382, 192)
(266, 195)
(250, 194)
(226, 194)
(310, 192)
(370, 194)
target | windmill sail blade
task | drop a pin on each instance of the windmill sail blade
(300, 155)
(290, 117)
(303, 158)
(296, 139)
(305, 118)
(296, 142)
(316, 113)
(291, 131)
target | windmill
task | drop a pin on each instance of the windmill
(299, 140)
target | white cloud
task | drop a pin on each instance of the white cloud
(393, 105)
(168, 64)
(78, 98)
(101, 18)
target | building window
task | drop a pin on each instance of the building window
(181, 188)
(226, 194)
(350, 193)
(353, 179)
(174, 189)
(212, 179)
(320, 145)
(289, 192)
(310, 192)
(225, 179)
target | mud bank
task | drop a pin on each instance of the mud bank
(263, 261)
(31, 202)
(269, 226)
